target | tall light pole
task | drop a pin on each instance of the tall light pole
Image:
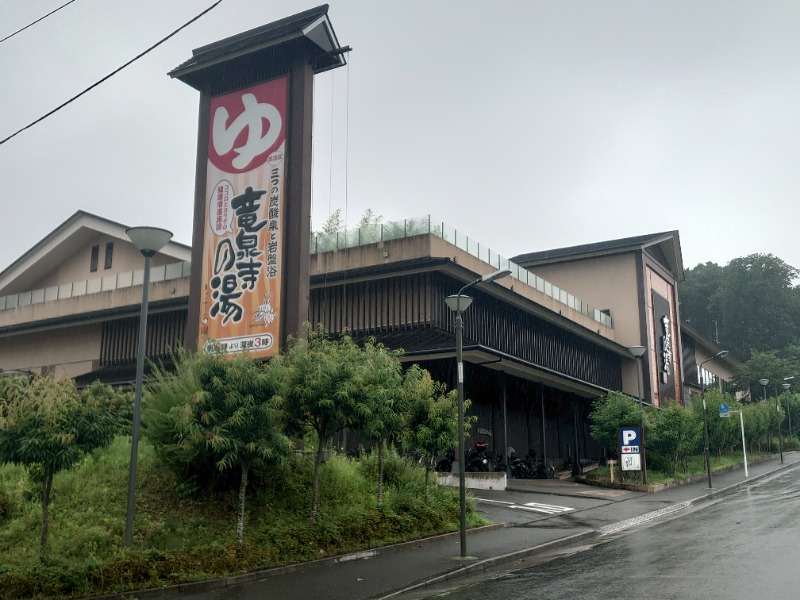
(148, 240)
(786, 387)
(720, 354)
(458, 303)
(637, 352)
(764, 383)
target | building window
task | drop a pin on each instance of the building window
(109, 255)
(95, 258)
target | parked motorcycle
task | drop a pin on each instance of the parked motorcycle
(519, 468)
(479, 459)
(445, 464)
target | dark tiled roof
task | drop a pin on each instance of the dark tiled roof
(606, 247)
(269, 35)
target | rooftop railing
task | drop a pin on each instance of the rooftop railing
(93, 286)
(393, 230)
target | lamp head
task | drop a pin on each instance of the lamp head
(458, 303)
(721, 354)
(637, 351)
(763, 381)
(496, 275)
(786, 386)
(149, 240)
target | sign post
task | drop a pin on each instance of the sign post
(630, 446)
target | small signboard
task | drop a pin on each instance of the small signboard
(724, 410)
(630, 448)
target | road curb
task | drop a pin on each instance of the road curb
(209, 585)
(487, 563)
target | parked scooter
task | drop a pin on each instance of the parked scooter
(479, 459)
(537, 466)
(518, 467)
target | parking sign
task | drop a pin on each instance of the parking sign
(630, 448)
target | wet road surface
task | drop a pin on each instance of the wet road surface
(747, 546)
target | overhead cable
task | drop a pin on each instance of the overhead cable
(94, 85)
(36, 21)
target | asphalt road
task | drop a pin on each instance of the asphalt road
(741, 547)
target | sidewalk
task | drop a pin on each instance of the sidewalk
(392, 571)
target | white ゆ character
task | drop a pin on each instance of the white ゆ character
(260, 136)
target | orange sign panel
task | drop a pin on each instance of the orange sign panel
(242, 245)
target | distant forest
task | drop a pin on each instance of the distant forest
(748, 306)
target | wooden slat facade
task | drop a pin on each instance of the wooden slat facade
(165, 331)
(415, 301)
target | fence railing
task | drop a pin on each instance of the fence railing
(393, 230)
(93, 286)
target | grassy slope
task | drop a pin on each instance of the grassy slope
(182, 539)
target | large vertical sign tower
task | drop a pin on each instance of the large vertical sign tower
(252, 209)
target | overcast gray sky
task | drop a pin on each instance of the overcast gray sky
(527, 125)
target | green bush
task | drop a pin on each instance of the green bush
(6, 504)
(673, 436)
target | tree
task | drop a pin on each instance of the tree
(381, 407)
(432, 419)
(749, 304)
(699, 285)
(319, 383)
(675, 434)
(610, 412)
(334, 223)
(764, 365)
(723, 434)
(47, 426)
(235, 414)
(756, 304)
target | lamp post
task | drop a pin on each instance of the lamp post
(637, 352)
(720, 354)
(764, 383)
(786, 387)
(458, 303)
(148, 240)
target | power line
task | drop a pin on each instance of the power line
(36, 21)
(94, 85)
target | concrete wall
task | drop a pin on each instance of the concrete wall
(70, 351)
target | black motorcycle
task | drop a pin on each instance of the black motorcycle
(479, 459)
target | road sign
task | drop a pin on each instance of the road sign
(724, 410)
(630, 448)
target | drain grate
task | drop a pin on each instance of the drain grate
(613, 528)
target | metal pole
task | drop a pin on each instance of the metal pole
(705, 429)
(641, 411)
(780, 435)
(137, 403)
(789, 414)
(462, 491)
(744, 444)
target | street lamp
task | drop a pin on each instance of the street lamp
(720, 354)
(764, 383)
(637, 352)
(458, 303)
(786, 387)
(148, 240)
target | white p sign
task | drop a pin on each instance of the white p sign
(628, 436)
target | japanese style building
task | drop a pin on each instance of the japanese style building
(539, 345)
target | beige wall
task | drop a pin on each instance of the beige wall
(89, 303)
(69, 350)
(76, 267)
(591, 281)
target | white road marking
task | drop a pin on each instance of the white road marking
(548, 509)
